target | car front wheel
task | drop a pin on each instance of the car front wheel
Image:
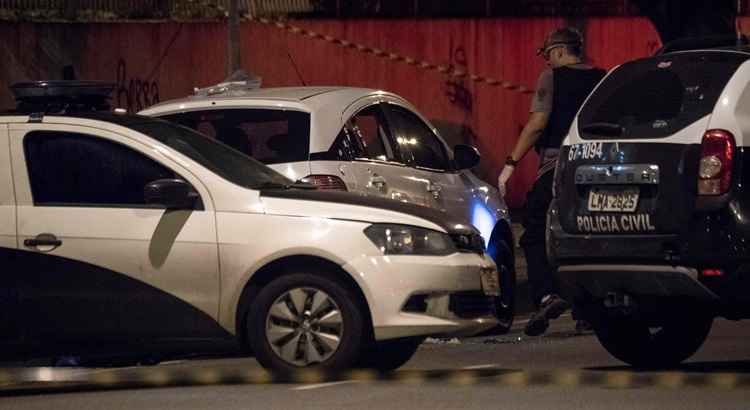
(306, 320)
(502, 254)
(644, 346)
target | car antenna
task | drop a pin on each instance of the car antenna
(299, 75)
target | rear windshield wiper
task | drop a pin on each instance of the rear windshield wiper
(606, 129)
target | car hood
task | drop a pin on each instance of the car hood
(354, 207)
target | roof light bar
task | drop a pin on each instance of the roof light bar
(62, 96)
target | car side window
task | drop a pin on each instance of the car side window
(370, 130)
(343, 148)
(272, 136)
(416, 142)
(71, 169)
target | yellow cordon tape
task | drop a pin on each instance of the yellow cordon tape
(23, 384)
(425, 65)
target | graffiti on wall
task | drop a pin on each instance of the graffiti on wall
(134, 93)
(458, 93)
(455, 87)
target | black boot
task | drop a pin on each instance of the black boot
(552, 307)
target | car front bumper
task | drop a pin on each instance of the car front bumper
(425, 295)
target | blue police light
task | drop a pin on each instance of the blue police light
(483, 220)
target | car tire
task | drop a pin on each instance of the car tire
(505, 305)
(642, 346)
(306, 320)
(389, 355)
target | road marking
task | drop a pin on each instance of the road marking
(104, 380)
(83, 372)
(171, 362)
(322, 385)
(480, 366)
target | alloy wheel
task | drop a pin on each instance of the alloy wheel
(304, 326)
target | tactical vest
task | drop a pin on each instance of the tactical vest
(571, 87)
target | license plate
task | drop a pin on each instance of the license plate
(613, 200)
(490, 281)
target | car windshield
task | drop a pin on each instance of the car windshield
(225, 161)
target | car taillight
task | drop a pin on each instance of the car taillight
(712, 273)
(325, 182)
(715, 168)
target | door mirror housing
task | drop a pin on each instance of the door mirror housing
(465, 156)
(171, 193)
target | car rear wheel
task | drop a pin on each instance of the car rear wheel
(389, 355)
(306, 320)
(644, 346)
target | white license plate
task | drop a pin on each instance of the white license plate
(490, 281)
(613, 200)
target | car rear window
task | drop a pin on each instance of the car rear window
(656, 97)
(268, 135)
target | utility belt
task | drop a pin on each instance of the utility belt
(547, 160)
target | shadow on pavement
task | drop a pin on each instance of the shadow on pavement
(737, 366)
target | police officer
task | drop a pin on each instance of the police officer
(561, 89)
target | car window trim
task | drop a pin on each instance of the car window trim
(197, 206)
(442, 171)
(386, 139)
(377, 161)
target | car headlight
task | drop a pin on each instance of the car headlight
(409, 240)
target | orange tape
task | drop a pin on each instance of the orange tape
(425, 65)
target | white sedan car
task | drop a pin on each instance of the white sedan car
(118, 229)
(366, 141)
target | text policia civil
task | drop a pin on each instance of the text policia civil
(632, 223)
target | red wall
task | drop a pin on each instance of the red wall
(166, 60)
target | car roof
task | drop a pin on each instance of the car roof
(104, 116)
(730, 49)
(309, 96)
(730, 43)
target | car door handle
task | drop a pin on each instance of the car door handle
(378, 181)
(44, 239)
(435, 189)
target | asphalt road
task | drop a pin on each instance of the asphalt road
(486, 370)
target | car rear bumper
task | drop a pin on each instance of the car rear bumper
(426, 295)
(717, 239)
(658, 265)
(641, 280)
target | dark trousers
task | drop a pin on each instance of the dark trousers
(541, 276)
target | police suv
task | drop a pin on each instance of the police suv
(650, 222)
(127, 230)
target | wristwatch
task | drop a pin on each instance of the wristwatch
(510, 161)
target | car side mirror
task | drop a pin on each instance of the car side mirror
(171, 193)
(465, 156)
